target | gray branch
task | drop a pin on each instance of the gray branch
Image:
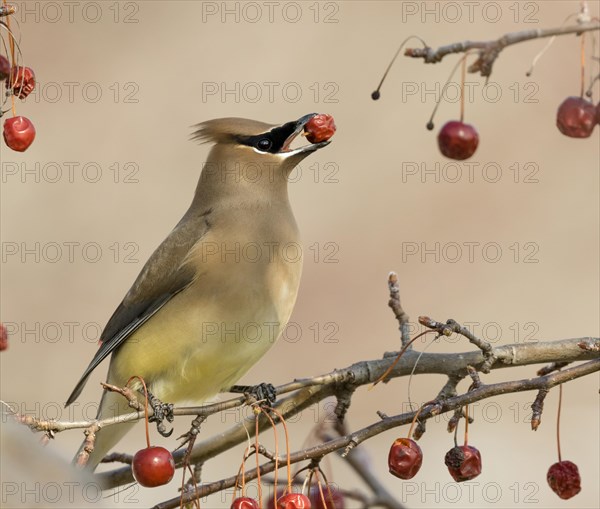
(490, 50)
(307, 392)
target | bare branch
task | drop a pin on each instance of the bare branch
(490, 50)
(353, 439)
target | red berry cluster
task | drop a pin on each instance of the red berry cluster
(318, 496)
(405, 458)
(18, 131)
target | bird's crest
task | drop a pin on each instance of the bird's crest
(228, 130)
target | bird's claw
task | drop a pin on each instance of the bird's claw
(264, 393)
(162, 412)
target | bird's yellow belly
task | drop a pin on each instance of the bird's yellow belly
(206, 338)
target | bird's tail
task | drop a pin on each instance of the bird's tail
(112, 404)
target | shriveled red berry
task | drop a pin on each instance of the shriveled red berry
(244, 503)
(563, 477)
(463, 462)
(153, 466)
(405, 458)
(576, 117)
(4, 68)
(23, 81)
(320, 128)
(293, 501)
(18, 133)
(458, 140)
(3, 337)
(336, 500)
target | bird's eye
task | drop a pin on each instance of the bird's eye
(264, 144)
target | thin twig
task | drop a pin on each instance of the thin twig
(396, 306)
(538, 406)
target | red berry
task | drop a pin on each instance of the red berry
(319, 128)
(153, 466)
(563, 477)
(576, 117)
(335, 501)
(458, 140)
(4, 68)
(405, 458)
(3, 337)
(23, 81)
(293, 501)
(244, 503)
(18, 133)
(464, 463)
(598, 113)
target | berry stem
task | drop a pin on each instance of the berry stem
(430, 125)
(463, 75)
(145, 406)
(321, 494)
(11, 43)
(412, 424)
(375, 94)
(582, 64)
(560, 392)
(389, 370)
(256, 444)
(276, 457)
(466, 425)
(242, 473)
(287, 449)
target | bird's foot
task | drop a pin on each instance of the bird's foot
(162, 412)
(263, 393)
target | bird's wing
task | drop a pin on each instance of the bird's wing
(164, 276)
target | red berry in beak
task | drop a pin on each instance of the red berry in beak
(320, 128)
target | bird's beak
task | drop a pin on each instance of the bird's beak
(295, 128)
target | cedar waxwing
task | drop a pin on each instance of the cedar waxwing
(218, 291)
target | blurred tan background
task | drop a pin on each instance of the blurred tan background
(121, 83)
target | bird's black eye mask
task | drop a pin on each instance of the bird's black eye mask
(272, 141)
